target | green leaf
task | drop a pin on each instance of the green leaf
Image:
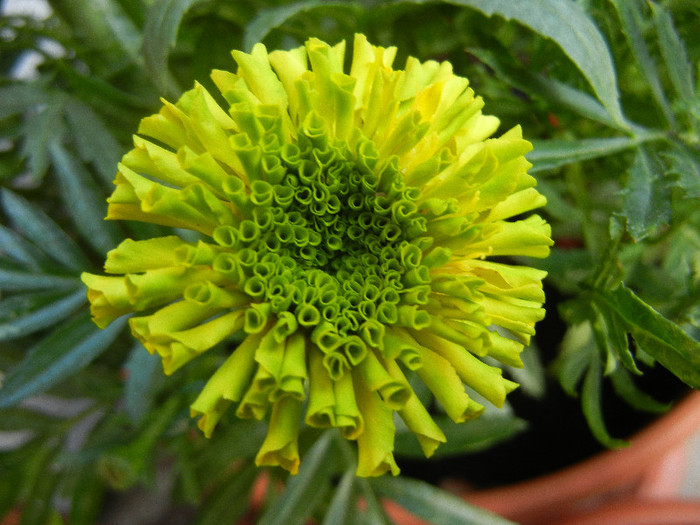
(40, 318)
(478, 435)
(568, 25)
(42, 231)
(305, 490)
(141, 368)
(574, 358)
(83, 200)
(661, 338)
(125, 32)
(551, 154)
(592, 404)
(647, 197)
(13, 280)
(268, 19)
(159, 35)
(541, 87)
(88, 496)
(675, 56)
(432, 504)
(14, 246)
(68, 349)
(230, 500)
(93, 139)
(685, 164)
(342, 505)
(627, 390)
(20, 97)
(632, 20)
(40, 129)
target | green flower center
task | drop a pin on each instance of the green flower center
(329, 236)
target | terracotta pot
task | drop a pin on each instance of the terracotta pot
(616, 478)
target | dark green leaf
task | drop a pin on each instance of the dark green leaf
(303, 491)
(434, 505)
(159, 36)
(66, 351)
(567, 24)
(478, 435)
(41, 318)
(647, 196)
(230, 500)
(661, 338)
(17, 248)
(14, 280)
(631, 16)
(543, 88)
(592, 404)
(268, 19)
(93, 139)
(20, 97)
(40, 129)
(574, 359)
(685, 164)
(88, 495)
(552, 154)
(627, 390)
(42, 231)
(84, 201)
(342, 505)
(141, 368)
(675, 56)
(123, 29)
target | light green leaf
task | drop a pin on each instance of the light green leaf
(67, 350)
(591, 404)
(432, 504)
(268, 19)
(141, 368)
(42, 231)
(663, 339)
(552, 154)
(567, 24)
(625, 388)
(159, 35)
(121, 26)
(83, 200)
(541, 87)
(647, 197)
(632, 20)
(39, 130)
(675, 56)
(305, 490)
(40, 318)
(21, 97)
(15, 280)
(15, 247)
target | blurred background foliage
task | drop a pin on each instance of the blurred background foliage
(605, 89)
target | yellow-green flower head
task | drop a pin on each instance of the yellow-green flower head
(347, 220)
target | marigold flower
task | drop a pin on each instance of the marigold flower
(346, 221)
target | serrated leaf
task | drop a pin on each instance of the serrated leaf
(159, 35)
(93, 139)
(141, 368)
(230, 500)
(434, 505)
(675, 56)
(552, 154)
(268, 19)
(304, 490)
(66, 351)
(570, 27)
(646, 198)
(591, 403)
(663, 339)
(631, 16)
(83, 200)
(41, 318)
(42, 231)
(685, 164)
(551, 90)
